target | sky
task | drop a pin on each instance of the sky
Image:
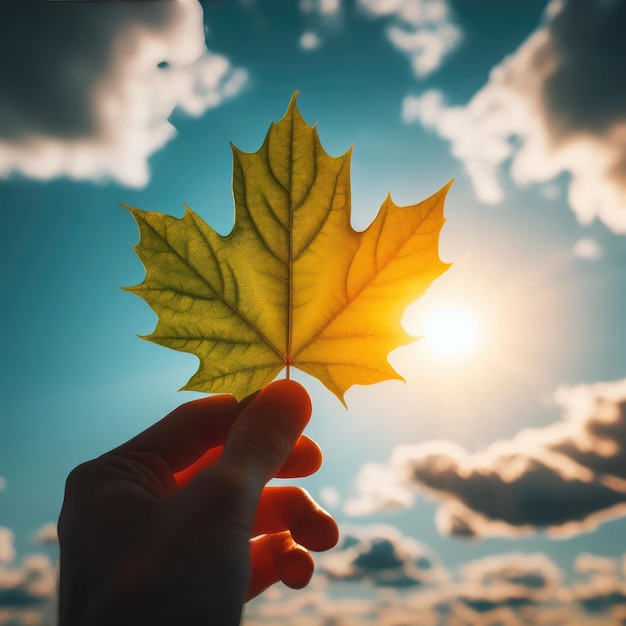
(490, 486)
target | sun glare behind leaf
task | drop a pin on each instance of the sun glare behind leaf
(450, 332)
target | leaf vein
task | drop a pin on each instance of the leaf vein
(208, 284)
(363, 287)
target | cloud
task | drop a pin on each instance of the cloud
(587, 248)
(510, 589)
(499, 589)
(601, 594)
(322, 17)
(555, 106)
(310, 607)
(535, 573)
(381, 555)
(422, 30)
(517, 588)
(47, 535)
(32, 583)
(596, 565)
(565, 478)
(378, 489)
(309, 41)
(7, 551)
(87, 88)
(330, 496)
(3, 483)
(323, 8)
(27, 590)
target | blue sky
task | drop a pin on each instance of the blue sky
(490, 488)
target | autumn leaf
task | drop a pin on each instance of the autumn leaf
(293, 284)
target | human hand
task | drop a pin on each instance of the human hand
(160, 531)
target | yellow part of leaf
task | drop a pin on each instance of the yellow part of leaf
(293, 284)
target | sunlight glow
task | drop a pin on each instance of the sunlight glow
(450, 332)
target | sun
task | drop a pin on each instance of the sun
(450, 332)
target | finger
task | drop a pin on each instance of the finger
(188, 431)
(265, 432)
(206, 460)
(304, 460)
(275, 558)
(292, 508)
(295, 567)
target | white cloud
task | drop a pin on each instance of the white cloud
(587, 248)
(320, 7)
(47, 534)
(309, 41)
(378, 489)
(595, 565)
(479, 134)
(329, 496)
(3, 483)
(7, 551)
(309, 607)
(535, 573)
(422, 30)
(322, 17)
(121, 71)
(557, 105)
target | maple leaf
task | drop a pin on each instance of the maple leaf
(293, 284)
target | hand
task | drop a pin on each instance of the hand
(177, 526)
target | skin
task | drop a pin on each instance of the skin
(178, 525)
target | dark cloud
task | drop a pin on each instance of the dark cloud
(382, 555)
(601, 595)
(565, 478)
(51, 56)
(606, 427)
(379, 555)
(19, 597)
(596, 602)
(86, 88)
(539, 497)
(489, 601)
(586, 91)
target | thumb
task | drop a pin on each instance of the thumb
(257, 445)
(263, 435)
